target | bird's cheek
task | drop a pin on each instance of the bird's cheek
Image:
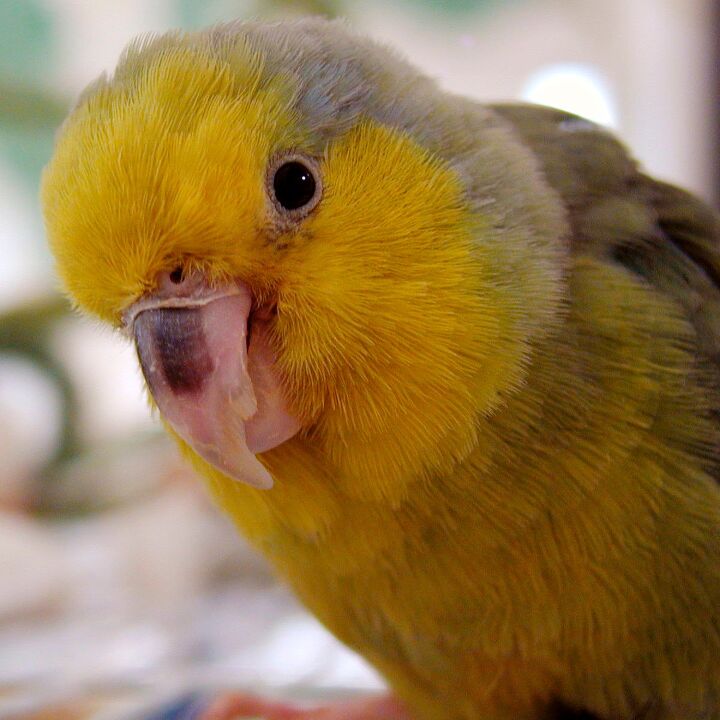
(223, 401)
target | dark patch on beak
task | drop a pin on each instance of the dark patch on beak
(171, 347)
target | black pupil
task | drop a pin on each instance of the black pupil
(294, 185)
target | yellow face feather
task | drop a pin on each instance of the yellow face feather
(165, 164)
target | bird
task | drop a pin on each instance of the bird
(452, 367)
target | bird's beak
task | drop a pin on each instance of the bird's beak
(219, 392)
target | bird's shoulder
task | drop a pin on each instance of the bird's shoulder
(664, 235)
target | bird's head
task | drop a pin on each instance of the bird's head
(304, 241)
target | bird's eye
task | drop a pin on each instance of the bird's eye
(294, 183)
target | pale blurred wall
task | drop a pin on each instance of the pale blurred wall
(655, 56)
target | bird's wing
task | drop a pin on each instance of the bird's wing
(665, 235)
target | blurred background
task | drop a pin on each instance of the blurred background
(122, 590)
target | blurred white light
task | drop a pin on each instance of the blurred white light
(30, 419)
(104, 369)
(576, 88)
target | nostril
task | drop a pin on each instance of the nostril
(176, 276)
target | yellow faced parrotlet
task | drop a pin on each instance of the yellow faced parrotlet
(453, 368)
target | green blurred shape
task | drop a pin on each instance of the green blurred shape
(28, 114)
(29, 107)
(26, 150)
(28, 121)
(194, 14)
(26, 39)
(326, 8)
(463, 7)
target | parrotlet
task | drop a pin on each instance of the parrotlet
(452, 367)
